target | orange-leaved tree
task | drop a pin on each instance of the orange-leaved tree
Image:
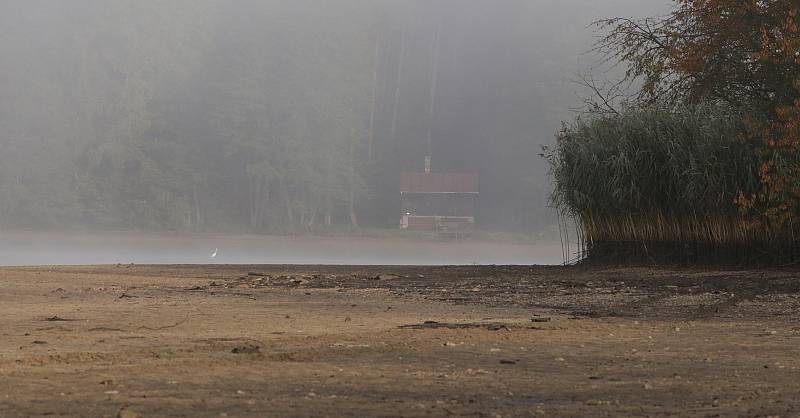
(745, 53)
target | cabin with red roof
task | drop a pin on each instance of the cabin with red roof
(444, 202)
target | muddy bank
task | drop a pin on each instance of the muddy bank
(258, 341)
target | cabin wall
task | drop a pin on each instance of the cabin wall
(439, 204)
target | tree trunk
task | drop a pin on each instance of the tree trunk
(329, 193)
(396, 104)
(253, 200)
(312, 220)
(288, 202)
(353, 216)
(263, 203)
(434, 82)
(371, 137)
(196, 202)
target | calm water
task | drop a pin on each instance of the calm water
(20, 249)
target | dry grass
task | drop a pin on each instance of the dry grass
(658, 178)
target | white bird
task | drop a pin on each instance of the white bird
(214, 254)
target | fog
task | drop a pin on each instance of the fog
(21, 249)
(231, 122)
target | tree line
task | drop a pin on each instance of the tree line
(274, 116)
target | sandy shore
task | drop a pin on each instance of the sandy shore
(255, 341)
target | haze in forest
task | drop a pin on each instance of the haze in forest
(255, 116)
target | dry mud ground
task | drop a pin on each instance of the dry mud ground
(255, 341)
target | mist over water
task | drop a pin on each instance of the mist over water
(282, 117)
(31, 249)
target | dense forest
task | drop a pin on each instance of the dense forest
(280, 116)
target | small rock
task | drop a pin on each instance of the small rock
(540, 319)
(246, 349)
(497, 327)
(127, 413)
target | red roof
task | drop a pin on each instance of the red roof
(438, 183)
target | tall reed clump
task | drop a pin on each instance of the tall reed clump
(662, 184)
